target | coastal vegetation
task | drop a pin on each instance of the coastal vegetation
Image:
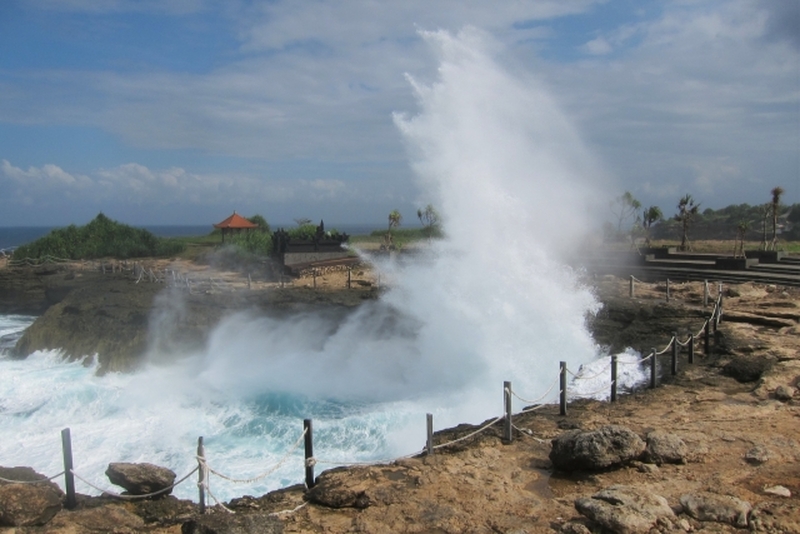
(100, 238)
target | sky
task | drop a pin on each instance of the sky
(182, 111)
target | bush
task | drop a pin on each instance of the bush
(101, 238)
(254, 242)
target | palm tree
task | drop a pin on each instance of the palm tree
(650, 216)
(429, 218)
(394, 219)
(776, 205)
(687, 210)
(741, 230)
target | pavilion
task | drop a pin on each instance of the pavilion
(234, 224)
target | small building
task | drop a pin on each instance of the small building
(235, 224)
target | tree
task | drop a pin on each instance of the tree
(650, 216)
(741, 230)
(262, 223)
(623, 207)
(394, 219)
(776, 206)
(687, 210)
(764, 212)
(429, 218)
(302, 221)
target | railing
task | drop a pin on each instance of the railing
(205, 470)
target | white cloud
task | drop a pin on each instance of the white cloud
(598, 47)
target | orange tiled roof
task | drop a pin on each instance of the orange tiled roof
(235, 221)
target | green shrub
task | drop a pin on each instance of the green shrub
(101, 238)
(254, 242)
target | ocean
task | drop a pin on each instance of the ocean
(15, 236)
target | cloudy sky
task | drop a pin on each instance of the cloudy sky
(181, 111)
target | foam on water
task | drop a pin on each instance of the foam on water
(491, 302)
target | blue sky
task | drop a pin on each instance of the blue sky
(180, 112)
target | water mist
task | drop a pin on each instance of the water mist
(490, 302)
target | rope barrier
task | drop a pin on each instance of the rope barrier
(579, 376)
(540, 406)
(207, 489)
(261, 476)
(284, 512)
(684, 343)
(462, 438)
(540, 398)
(37, 481)
(133, 497)
(665, 349)
(529, 433)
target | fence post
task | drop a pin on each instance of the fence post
(429, 418)
(613, 378)
(631, 287)
(314, 274)
(249, 281)
(705, 293)
(707, 336)
(69, 478)
(667, 289)
(201, 474)
(562, 379)
(691, 347)
(653, 369)
(507, 425)
(349, 270)
(674, 353)
(309, 455)
(721, 298)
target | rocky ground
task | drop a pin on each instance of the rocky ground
(715, 448)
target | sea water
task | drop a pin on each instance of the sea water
(492, 302)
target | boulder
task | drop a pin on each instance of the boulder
(665, 448)
(605, 447)
(233, 524)
(109, 518)
(706, 506)
(29, 504)
(758, 455)
(141, 479)
(784, 393)
(625, 509)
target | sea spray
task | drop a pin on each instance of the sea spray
(490, 302)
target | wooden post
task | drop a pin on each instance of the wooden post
(69, 478)
(631, 287)
(613, 378)
(707, 336)
(309, 443)
(201, 474)
(249, 281)
(314, 275)
(667, 289)
(562, 379)
(705, 293)
(691, 348)
(429, 446)
(721, 298)
(674, 353)
(349, 270)
(653, 369)
(507, 426)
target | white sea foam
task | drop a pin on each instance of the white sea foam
(490, 303)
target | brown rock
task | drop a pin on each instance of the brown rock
(142, 478)
(28, 504)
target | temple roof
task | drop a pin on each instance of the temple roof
(235, 221)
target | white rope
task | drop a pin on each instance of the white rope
(702, 329)
(636, 362)
(665, 349)
(208, 490)
(462, 438)
(529, 433)
(540, 398)
(579, 375)
(133, 497)
(285, 512)
(8, 481)
(314, 461)
(684, 343)
(261, 476)
(542, 405)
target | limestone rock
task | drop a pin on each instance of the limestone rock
(758, 455)
(784, 393)
(233, 524)
(706, 506)
(780, 491)
(665, 448)
(605, 447)
(110, 518)
(339, 489)
(625, 509)
(141, 479)
(28, 504)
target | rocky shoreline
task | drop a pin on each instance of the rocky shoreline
(714, 449)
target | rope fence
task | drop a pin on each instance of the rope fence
(205, 471)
